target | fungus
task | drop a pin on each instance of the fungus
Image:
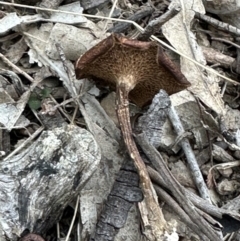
(138, 70)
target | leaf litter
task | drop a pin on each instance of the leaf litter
(29, 41)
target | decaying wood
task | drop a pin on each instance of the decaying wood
(124, 193)
(36, 185)
(153, 119)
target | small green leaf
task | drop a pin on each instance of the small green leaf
(34, 102)
(46, 92)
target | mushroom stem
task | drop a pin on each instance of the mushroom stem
(155, 218)
(124, 121)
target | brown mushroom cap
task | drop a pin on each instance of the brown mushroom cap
(142, 66)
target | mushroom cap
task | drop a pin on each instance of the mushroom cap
(142, 67)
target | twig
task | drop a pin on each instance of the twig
(195, 199)
(226, 41)
(218, 24)
(69, 78)
(17, 69)
(73, 219)
(164, 196)
(121, 27)
(237, 61)
(110, 14)
(58, 231)
(9, 37)
(205, 230)
(192, 162)
(207, 132)
(59, 106)
(156, 24)
(30, 138)
(212, 56)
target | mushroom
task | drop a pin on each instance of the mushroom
(138, 70)
(142, 67)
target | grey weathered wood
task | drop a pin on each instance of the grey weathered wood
(153, 119)
(37, 184)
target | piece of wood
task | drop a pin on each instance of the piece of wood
(37, 184)
(124, 194)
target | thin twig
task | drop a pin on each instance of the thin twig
(156, 24)
(192, 162)
(214, 57)
(8, 37)
(122, 27)
(16, 68)
(30, 138)
(205, 230)
(73, 219)
(164, 196)
(226, 41)
(195, 199)
(59, 106)
(218, 24)
(110, 14)
(58, 231)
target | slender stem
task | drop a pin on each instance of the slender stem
(155, 215)
(124, 121)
